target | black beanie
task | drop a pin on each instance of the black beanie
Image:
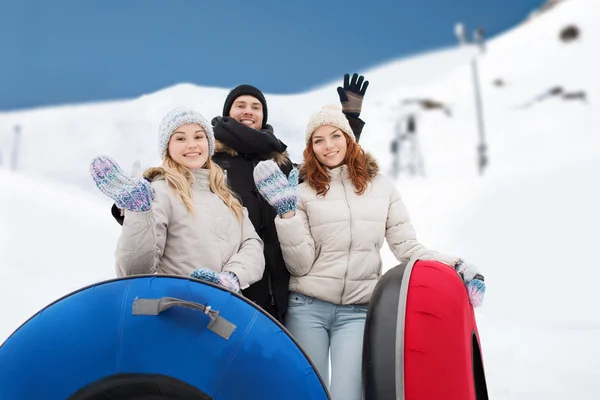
(243, 90)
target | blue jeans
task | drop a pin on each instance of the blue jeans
(319, 326)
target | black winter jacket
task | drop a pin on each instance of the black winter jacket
(238, 149)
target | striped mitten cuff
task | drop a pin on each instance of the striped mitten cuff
(225, 279)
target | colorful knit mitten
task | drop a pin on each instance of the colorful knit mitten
(279, 191)
(352, 94)
(474, 282)
(226, 279)
(128, 193)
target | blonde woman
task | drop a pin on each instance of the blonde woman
(182, 219)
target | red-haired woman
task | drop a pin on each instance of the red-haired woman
(331, 228)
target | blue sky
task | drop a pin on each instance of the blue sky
(66, 51)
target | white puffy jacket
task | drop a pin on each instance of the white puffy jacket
(170, 240)
(332, 245)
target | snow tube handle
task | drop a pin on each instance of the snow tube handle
(217, 324)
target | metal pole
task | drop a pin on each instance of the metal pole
(459, 31)
(482, 147)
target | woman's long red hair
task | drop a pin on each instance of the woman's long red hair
(318, 178)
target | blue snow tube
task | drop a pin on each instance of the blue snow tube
(155, 337)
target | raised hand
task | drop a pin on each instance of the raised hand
(279, 191)
(352, 94)
(476, 291)
(474, 282)
(133, 194)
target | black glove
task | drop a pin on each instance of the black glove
(351, 95)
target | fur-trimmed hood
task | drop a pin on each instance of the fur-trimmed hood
(154, 173)
(278, 157)
(158, 173)
(372, 168)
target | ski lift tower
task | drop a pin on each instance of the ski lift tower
(405, 148)
(478, 40)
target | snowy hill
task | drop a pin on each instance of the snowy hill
(529, 59)
(53, 240)
(530, 222)
(127, 129)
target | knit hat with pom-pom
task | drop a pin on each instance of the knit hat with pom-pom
(178, 117)
(329, 115)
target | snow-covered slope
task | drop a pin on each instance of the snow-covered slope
(529, 223)
(529, 59)
(53, 239)
(127, 130)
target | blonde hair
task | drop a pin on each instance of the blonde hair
(180, 178)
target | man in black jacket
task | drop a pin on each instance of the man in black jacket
(243, 139)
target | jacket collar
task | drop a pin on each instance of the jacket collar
(342, 171)
(201, 176)
(337, 173)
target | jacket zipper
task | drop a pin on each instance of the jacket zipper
(351, 236)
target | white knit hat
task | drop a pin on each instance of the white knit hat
(329, 115)
(181, 116)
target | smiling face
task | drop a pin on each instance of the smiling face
(329, 145)
(188, 146)
(247, 110)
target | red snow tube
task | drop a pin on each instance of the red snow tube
(421, 340)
